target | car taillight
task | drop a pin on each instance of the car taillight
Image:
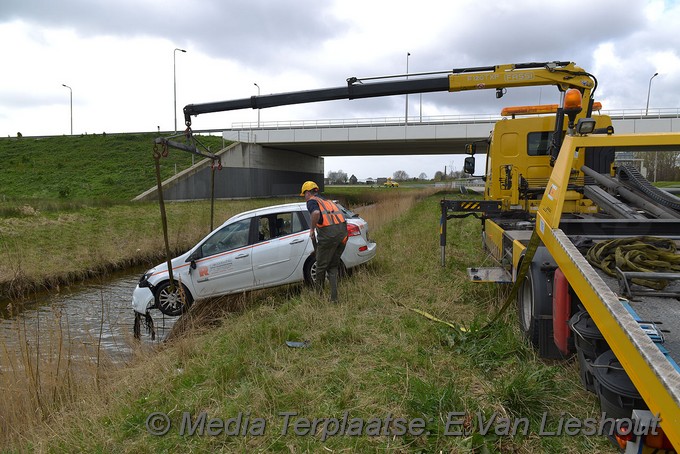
(353, 230)
(363, 248)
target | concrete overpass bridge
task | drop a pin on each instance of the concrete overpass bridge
(272, 159)
(427, 135)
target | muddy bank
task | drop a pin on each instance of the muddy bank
(21, 287)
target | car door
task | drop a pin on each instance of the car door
(225, 264)
(283, 239)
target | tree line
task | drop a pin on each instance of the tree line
(340, 176)
(661, 165)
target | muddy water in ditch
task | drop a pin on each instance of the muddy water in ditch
(90, 317)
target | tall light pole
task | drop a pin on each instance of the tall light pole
(421, 107)
(71, 98)
(649, 90)
(258, 110)
(174, 81)
(408, 54)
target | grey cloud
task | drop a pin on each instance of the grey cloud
(272, 36)
(259, 33)
(520, 32)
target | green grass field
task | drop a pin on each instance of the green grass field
(93, 167)
(65, 215)
(372, 357)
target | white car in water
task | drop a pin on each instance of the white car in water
(261, 248)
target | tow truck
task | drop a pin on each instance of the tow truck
(552, 195)
(391, 183)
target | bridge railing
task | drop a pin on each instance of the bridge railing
(622, 114)
(631, 114)
(378, 121)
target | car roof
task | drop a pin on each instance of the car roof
(295, 206)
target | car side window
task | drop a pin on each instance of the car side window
(307, 219)
(298, 224)
(284, 224)
(229, 237)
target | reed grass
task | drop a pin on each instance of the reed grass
(43, 371)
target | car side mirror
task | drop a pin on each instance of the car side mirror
(469, 165)
(193, 257)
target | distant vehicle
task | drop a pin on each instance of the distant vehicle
(261, 248)
(391, 184)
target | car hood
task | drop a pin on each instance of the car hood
(176, 262)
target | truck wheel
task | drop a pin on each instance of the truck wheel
(525, 310)
(173, 303)
(533, 302)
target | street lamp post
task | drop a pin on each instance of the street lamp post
(258, 110)
(71, 99)
(408, 54)
(649, 90)
(174, 82)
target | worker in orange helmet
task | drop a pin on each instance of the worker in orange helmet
(329, 230)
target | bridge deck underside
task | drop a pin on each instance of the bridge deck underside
(392, 147)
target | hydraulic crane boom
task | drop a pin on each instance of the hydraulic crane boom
(560, 73)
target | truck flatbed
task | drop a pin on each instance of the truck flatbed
(662, 312)
(654, 374)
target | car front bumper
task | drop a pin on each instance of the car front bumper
(142, 299)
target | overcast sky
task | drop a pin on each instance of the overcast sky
(118, 59)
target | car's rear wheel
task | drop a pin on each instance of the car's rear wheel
(175, 302)
(309, 271)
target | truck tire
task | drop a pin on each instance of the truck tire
(525, 309)
(534, 301)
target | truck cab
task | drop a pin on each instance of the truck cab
(518, 164)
